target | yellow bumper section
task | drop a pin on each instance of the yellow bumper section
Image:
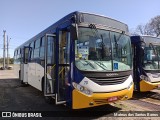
(80, 100)
(147, 86)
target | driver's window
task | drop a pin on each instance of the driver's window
(26, 51)
(150, 55)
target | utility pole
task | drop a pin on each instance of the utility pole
(7, 53)
(4, 49)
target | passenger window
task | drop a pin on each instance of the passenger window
(19, 51)
(50, 50)
(36, 53)
(31, 45)
(64, 47)
(42, 52)
(32, 48)
(15, 53)
(26, 53)
(37, 43)
(43, 41)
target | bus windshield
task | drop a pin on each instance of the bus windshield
(151, 57)
(102, 50)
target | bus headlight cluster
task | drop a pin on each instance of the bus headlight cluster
(143, 77)
(82, 89)
(130, 85)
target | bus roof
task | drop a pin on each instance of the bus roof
(103, 20)
(151, 39)
(83, 17)
(146, 38)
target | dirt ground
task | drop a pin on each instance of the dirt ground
(16, 97)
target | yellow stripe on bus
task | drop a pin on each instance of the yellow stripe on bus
(61, 71)
(51, 68)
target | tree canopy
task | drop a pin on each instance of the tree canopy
(150, 28)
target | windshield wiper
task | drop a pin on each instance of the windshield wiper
(103, 50)
(116, 40)
(96, 33)
(119, 36)
(152, 46)
(100, 64)
(90, 64)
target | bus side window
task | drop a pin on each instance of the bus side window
(42, 43)
(26, 53)
(41, 50)
(15, 54)
(64, 47)
(32, 52)
(19, 55)
(50, 50)
(36, 48)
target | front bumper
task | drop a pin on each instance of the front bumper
(80, 100)
(147, 86)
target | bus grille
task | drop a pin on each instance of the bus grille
(109, 81)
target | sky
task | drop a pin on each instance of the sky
(23, 19)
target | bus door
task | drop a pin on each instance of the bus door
(50, 65)
(63, 66)
(25, 55)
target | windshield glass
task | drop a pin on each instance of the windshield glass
(151, 57)
(101, 50)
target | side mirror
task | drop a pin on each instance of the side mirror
(74, 33)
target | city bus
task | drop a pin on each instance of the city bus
(146, 65)
(83, 60)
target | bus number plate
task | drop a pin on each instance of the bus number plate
(112, 99)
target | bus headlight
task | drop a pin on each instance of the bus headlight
(130, 85)
(82, 89)
(143, 77)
